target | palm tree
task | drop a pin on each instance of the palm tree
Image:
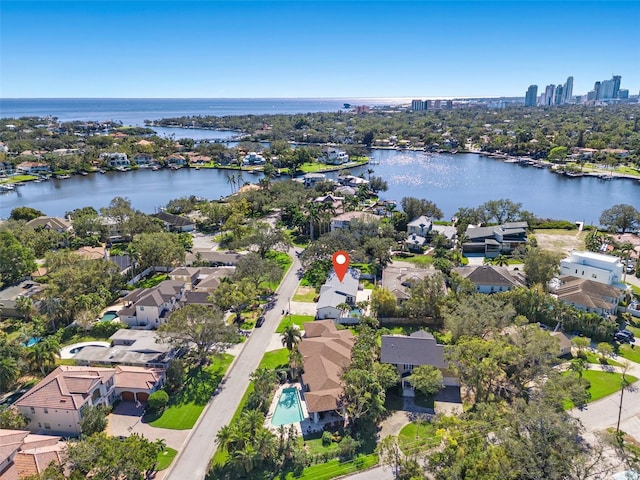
(344, 308)
(24, 306)
(295, 362)
(314, 215)
(224, 437)
(43, 354)
(244, 460)
(9, 373)
(252, 420)
(291, 336)
(52, 308)
(501, 261)
(265, 444)
(625, 251)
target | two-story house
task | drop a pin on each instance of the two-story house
(344, 219)
(56, 404)
(596, 267)
(115, 159)
(495, 240)
(491, 278)
(589, 295)
(150, 307)
(335, 292)
(418, 231)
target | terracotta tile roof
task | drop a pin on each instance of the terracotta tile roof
(587, 293)
(33, 453)
(10, 442)
(137, 377)
(65, 388)
(326, 351)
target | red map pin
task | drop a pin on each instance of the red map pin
(340, 263)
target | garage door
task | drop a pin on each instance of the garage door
(143, 397)
(128, 396)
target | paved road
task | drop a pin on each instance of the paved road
(193, 461)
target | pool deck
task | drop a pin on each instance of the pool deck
(65, 353)
(274, 403)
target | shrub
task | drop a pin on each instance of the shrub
(158, 400)
(326, 439)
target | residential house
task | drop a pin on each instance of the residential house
(335, 292)
(344, 219)
(310, 179)
(33, 168)
(334, 156)
(491, 278)
(326, 352)
(352, 181)
(175, 160)
(9, 297)
(212, 258)
(418, 232)
(253, 158)
(175, 223)
(334, 201)
(589, 295)
(57, 224)
(201, 279)
(495, 240)
(150, 307)
(564, 344)
(596, 267)
(23, 454)
(138, 348)
(345, 190)
(398, 280)
(144, 160)
(56, 404)
(6, 169)
(447, 231)
(115, 159)
(407, 352)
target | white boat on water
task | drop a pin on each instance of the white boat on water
(7, 187)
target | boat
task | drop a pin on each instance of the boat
(63, 177)
(84, 174)
(102, 171)
(19, 184)
(155, 168)
(7, 187)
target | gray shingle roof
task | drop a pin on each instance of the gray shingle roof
(420, 348)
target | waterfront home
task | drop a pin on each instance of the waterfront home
(407, 352)
(344, 220)
(596, 267)
(333, 156)
(495, 240)
(56, 404)
(175, 160)
(33, 168)
(588, 295)
(418, 232)
(6, 169)
(491, 278)
(23, 454)
(115, 159)
(447, 231)
(139, 348)
(253, 158)
(310, 179)
(175, 223)
(335, 292)
(352, 181)
(144, 160)
(334, 201)
(56, 224)
(399, 280)
(326, 352)
(150, 307)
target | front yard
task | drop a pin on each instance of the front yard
(295, 320)
(602, 384)
(416, 436)
(186, 406)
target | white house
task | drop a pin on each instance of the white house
(150, 307)
(593, 266)
(334, 292)
(334, 156)
(56, 404)
(115, 159)
(310, 179)
(253, 158)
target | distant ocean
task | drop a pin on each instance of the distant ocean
(134, 111)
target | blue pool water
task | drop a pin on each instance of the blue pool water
(288, 410)
(108, 316)
(31, 342)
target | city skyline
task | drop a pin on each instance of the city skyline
(273, 50)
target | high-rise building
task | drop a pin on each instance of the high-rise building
(559, 95)
(437, 104)
(531, 96)
(418, 105)
(623, 94)
(616, 85)
(568, 90)
(549, 95)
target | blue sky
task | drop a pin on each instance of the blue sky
(312, 49)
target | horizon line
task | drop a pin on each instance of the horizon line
(404, 97)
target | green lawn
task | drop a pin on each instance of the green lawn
(335, 468)
(19, 178)
(295, 319)
(592, 357)
(420, 260)
(629, 353)
(153, 281)
(185, 407)
(165, 458)
(313, 444)
(275, 360)
(309, 296)
(416, 435)
(602, 384)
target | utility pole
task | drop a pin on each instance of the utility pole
(624, 385)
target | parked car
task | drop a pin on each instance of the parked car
(260, 321)
(624, 336)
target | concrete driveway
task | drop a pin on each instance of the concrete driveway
(126, 419)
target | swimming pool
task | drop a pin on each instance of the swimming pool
(288, 410)
(31, 342)
(108, 316)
